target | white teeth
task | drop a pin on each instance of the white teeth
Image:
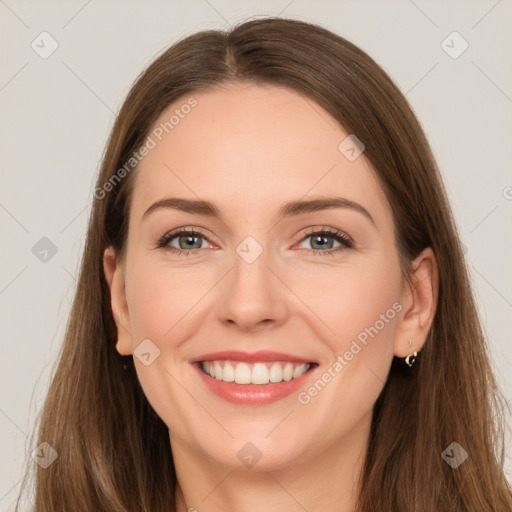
(254, 373)
(259, 374)
(218, 370)
(297, 372)
(242, 374)
(276, 373)
(288, 372)
(228, 374)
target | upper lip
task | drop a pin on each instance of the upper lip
(261, 355)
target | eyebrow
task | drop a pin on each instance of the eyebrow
(289, 209)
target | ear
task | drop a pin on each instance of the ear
(420, 303)
(114, 275)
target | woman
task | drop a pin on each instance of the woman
(273, 310)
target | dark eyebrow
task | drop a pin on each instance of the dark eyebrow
(185, 205)
(315, 205)
(289, 209)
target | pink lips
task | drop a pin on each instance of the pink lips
(262, 355)
(251, 394)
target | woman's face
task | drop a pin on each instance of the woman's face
(252, 279)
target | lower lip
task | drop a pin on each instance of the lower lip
(252, 394)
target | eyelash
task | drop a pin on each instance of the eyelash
(346, 242)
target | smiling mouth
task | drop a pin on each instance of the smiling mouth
(259, 373)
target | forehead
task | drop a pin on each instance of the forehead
(248, 146)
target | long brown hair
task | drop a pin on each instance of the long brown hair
(114, 451)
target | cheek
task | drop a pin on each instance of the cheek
(353, 298)
(161, 304)
(361, 308)
(365, 308)
(162, 300)
(359, 304)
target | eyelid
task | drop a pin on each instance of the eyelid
(322, 229)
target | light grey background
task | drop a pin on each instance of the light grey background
(57, 113)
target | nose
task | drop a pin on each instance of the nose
(253, 295)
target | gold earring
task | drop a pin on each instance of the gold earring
(408, 361)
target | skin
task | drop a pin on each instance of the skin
(248, 149)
